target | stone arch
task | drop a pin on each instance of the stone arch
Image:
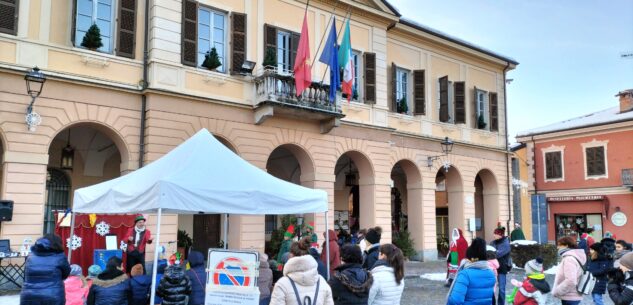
(304, 160)
(226, 142)
(408, 189)
(361, 191)
(454, 197)
(487, 200)
(112, 133)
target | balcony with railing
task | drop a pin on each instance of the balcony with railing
(275, 96)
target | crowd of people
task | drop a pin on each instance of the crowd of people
(476, 273)
(374, 276)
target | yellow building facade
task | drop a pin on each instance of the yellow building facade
(142, 93)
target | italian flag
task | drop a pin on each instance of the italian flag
(345, 60)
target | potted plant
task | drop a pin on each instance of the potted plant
(183, 243)
(92, 39)
(270, 60)
(212, 60)
(481, 123)
(402, 106)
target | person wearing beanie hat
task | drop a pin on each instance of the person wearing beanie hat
(75, 286)
(533, 288)
(94, 271)
(621, 248)
(599, 265)
(372, 240)
(502, 245)
(475, 280)
(314, 239)
(137, 237)
(621, 288)
(493, 263)
(140, 285)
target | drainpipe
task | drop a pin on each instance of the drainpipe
(505, 108)
(144, 85)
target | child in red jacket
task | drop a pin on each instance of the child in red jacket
(533, 289)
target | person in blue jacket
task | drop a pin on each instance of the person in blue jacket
(46, 269)
(140, 286)
(475, 281)
(198, 277)
(111, 287)
(502, 245)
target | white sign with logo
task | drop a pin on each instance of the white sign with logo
(618, 219)
(232, 277)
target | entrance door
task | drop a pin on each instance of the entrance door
(57, 197)
(206, 232)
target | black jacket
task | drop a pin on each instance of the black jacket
(599, 268)
(621, 293)
(371, 257)
(174, 287)
(111, 287)
(350, 284)
(45, 272)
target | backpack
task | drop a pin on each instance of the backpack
(586, 282)
(306, 299)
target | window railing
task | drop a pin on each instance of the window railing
(627, 177)
(271, 86)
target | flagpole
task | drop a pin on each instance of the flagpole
(323, 36)
(347, 15)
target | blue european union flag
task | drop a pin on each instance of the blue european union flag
(329, 56)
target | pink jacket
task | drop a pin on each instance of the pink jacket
(75, 294)
(567, 275)
(494, 265)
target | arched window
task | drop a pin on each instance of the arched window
(57, 197)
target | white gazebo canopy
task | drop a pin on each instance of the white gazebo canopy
(200, 175)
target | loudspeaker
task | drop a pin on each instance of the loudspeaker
(6, 210)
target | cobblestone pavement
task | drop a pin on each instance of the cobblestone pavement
(420, 291)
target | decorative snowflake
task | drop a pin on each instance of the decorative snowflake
(103, 228)
(446, 165)
(73, 242)
(123, 246)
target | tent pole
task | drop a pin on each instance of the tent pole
(72, 232)
(155, 265)
(226, 230)
(327, 244)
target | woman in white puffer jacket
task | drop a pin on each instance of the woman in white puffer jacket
(301, 269)
(388, 274)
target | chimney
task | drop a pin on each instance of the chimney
(626, 100)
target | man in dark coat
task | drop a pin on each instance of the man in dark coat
(175, 286)
(372, 239)
(137, 238)
(45, 271)
(502, 245)
(609, 243)
(620, 287)
(350, 283)
(198, 277)
(111, 287)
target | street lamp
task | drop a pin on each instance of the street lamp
(34, 84)
(68, 155)
(350, 178)
(447, 147)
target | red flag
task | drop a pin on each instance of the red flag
(302, 68)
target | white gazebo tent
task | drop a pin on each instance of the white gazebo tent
(201, 175)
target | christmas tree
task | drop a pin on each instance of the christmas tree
(212, 60)
(92, 39)
(270, 59)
